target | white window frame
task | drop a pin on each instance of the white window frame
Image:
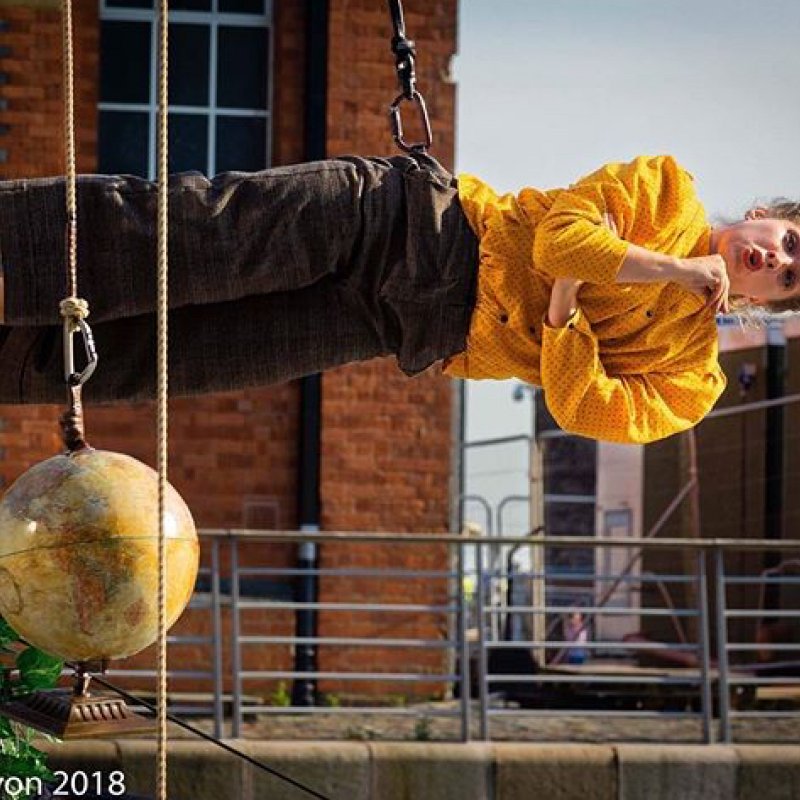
(214, 19)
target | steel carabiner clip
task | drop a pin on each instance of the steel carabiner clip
(397, 123)
(72, 326)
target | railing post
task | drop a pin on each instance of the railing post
(463, 647)
(216, 629)
(483, 661)
(536, 524)
(236, 660)
(705, 650)
(722, 648)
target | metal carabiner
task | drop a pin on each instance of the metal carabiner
(397, 123)
(72, 326)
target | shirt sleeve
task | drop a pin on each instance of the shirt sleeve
(629, 409)
(643, 197)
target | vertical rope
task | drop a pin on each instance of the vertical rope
(163, 22)
(69, 147)
(72, 308)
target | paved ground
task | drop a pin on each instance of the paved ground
(426, 723)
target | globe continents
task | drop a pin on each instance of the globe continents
(79, 555)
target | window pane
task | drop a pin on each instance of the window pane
(125, 62)
(188, 65)
(241, 143)
(188, 142)
(242, 68)
(242, 6)
(129, 3)
(190, 5)
(122, 142)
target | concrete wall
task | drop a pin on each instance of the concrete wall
(473, 771)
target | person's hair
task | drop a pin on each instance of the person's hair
(781, 208)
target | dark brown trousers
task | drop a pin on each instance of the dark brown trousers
(273, 275)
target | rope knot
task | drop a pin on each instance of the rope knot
(74, 309)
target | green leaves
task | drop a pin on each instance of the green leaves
(7, 636)
(28, 763)
(37, 670)
(6, 732)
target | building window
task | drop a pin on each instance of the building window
(220, 81)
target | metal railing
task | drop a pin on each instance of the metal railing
(674, 651)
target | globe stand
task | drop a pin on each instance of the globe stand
(76, 713)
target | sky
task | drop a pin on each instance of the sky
(549, 91)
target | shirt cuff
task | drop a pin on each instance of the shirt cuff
(576, 322)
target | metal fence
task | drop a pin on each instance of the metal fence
(679, 633)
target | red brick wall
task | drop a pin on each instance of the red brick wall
(33, 91)
(233, 456)
(386, 439)
(34, 147)
(288, 122)
(245, 473)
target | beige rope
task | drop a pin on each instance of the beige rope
(69, 147)
(72, 308)
(162, 396)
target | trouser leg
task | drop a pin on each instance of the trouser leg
(254, 341)
(236, 235)
(377, 260)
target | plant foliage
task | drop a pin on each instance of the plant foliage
(35, 671)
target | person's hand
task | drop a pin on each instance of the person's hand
(706, 276)
(563, 301)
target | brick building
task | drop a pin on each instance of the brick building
(240, 100)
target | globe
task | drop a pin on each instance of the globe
(79, 555)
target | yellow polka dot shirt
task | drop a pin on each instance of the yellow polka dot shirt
(637, 362)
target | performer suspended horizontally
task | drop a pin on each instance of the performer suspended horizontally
(603, 293)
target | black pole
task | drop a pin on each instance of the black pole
(304, 690)
(774, 461)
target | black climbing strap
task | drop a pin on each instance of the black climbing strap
(405, 55)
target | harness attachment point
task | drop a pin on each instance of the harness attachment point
(396, 121)
(405, 54)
